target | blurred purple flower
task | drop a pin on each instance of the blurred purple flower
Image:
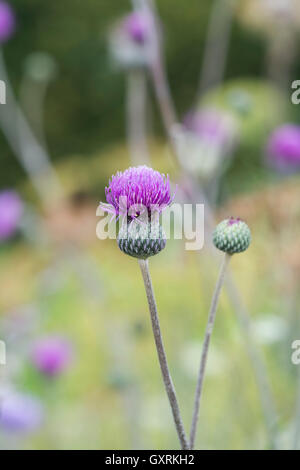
(130, 41)
(52, 355)
(283, 148)
(20, 413)
(138, 27)
(137, 186)
(7, 21)
(11, 209)
(210, 124)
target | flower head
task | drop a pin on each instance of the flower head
(138, 189)
(52, 355)
(20, 413)
(232, 236)
(130, 41)
(137, 26)
(11, 209)
(283, 148)
(139, 195)
(205, 141)
(7, 21)
(210, 124)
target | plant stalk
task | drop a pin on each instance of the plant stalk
(204, 355)
(136, 117)
(169, 386)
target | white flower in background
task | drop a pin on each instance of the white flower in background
(204, 142)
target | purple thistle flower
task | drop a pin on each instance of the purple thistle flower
(137, 25)
(283, 148)
(210, 124)
(52, 355)
(137, 187)
(11, 209)
(131, 41)
(7, 21)
(20, 413)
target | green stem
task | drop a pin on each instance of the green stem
(204, 355)
(169, 386)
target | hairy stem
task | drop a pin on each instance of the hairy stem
(170, 389)
(204, 355)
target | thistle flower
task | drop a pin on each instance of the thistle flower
(232, 236)
(142, 191)
(283, 148)
(137, 186)
(209, 124)
(139, 195)
(52, 355)
(7, 21)
(130, 41)
(20, 413)
(137, 25)
(11, 209)
(205, 140)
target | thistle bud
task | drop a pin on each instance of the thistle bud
(141, 240)
(232, 236)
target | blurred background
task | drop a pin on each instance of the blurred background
(202, 92)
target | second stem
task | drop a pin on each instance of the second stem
(204, 355)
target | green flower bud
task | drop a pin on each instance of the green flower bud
(141, 240)
(232, 236)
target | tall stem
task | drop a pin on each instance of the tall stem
(170, 389)
(32, 156)
(217, 44)
(136, 117)
(281, 54)
(204, 355)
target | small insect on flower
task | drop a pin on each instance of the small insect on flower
(232, 236)
(138, 196)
